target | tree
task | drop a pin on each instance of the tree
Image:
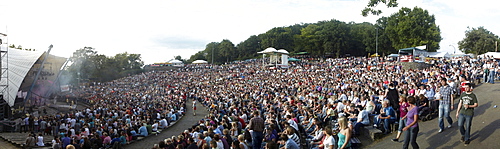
(87, 65)
(478, 41)
(227, 49)
(178, 57)
(410, 28)
(278, 37)
(211, 52)
(370, 7)
(82, 67)
(384, 43)
(248, 48)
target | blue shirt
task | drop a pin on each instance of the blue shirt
(66, 141)
(390, 111)
(143, 131)
(290, 144)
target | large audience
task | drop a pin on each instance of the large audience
(316, 103)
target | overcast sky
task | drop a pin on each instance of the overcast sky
(162, 29)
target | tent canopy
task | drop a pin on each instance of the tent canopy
(393, 55)
(301, 53)
(282, 51)
(175, 61)
(495, 55)
(269, 50)
(200, 62)
(293, 59)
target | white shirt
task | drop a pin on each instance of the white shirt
(329, 140)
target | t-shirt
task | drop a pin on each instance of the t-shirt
(363, 115)
(403, 109)
(410, 117)
(390, 111)
(468, 99)
(328, 141)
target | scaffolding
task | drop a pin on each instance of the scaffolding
(4, 74)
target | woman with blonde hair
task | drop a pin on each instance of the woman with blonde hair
(344, 134)
(242, 144)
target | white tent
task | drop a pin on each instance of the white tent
(200, 62)
(282, 51)
(175, 61)
(495, 55)
(269, 50)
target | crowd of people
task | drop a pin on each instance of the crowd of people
(305, 104)
(322, 103)
(121, 111)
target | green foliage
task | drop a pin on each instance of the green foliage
(410, 28)
(87, 65)
(333, 38)
(478, 41)
(370, 7)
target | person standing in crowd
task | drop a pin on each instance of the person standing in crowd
(463, 81)
(403, 109)
(465, 112)
(344, 134)
(411, 125)
(257, 126)
(194, 107)
(392, 95)
(445, 104)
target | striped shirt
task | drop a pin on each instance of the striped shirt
(445, 92)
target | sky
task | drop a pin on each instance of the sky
(162, 29)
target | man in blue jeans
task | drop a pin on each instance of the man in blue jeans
(388, 115)
(445, 104)
(465, 112)
(257, 126)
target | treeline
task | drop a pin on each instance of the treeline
(88, 66)
(334, 38)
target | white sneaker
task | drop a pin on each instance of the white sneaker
(440, 130)
(449, 126)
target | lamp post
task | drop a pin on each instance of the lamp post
(376, 44)
(454, 50)
(213, 47)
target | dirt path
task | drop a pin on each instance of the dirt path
(186, 122)
(484, 131)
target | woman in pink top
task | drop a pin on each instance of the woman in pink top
(403, 109)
